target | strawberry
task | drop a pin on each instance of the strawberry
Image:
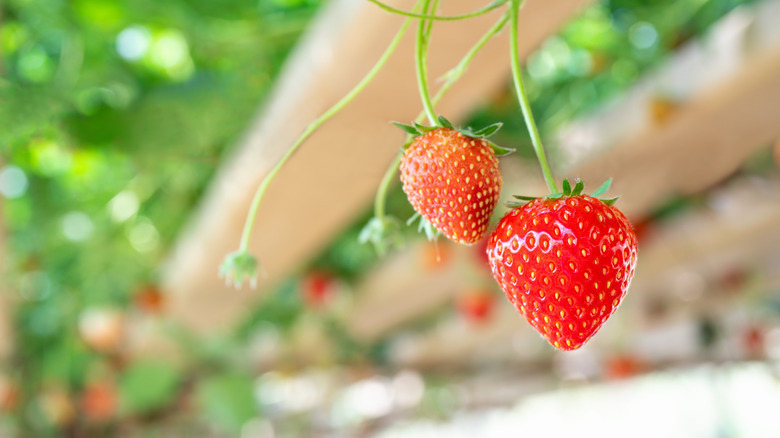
(565, 262)
(150, 299)
(452, 179)
(476, 306)
(99, 401)
(317, 288)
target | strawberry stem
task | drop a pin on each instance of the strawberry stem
(421, 61)
(311, 128)
(381, 194)
(450, 78)
(476, 13)
(523, 98)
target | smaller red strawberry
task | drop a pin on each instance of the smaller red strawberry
(452, 179)
(565, 262)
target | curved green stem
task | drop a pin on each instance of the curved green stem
(421, 64)
(387, 179)
(517, 75)
(476, 13)
(451, 77)
(250, 220)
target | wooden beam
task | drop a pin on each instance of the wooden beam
(334, 176)
(710, 133)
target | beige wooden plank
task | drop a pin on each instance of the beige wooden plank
(334, 176)
(711, 133)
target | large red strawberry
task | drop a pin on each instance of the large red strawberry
(452, 180)
(565, 263)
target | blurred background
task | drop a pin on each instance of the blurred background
(132, 138)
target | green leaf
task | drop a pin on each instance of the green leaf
(423, 129)
(431, 233)
(445, 123)
(383, 234)
(556, 195)
(407, 129)
(566, 187)
(487, 131)
(602, 189)
(148, 385)
(423, 226)
(610, 201)
(500, 151)
(578, 188)
(227, 400)
(525, 198)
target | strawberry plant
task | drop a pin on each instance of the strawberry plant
(566, 260)
(241, 265)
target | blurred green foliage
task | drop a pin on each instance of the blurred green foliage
(113, 117)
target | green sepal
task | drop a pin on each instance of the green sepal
(445, 123)
(578, 188)
(424, 129)
(237, 267)
(412, 130)
(500, 151)
(383, 234)
(511, 204)
(609, 201)
(556, 195)
(525, 198)
(566, 187)
(485, 132)
(424, 226)
(602, 189)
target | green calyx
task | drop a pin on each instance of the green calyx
(384, 233)
(568, 190)
(424, 226)
(238, 267)
(417, 129)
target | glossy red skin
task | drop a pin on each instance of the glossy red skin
(453, 181)
(565, 264)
